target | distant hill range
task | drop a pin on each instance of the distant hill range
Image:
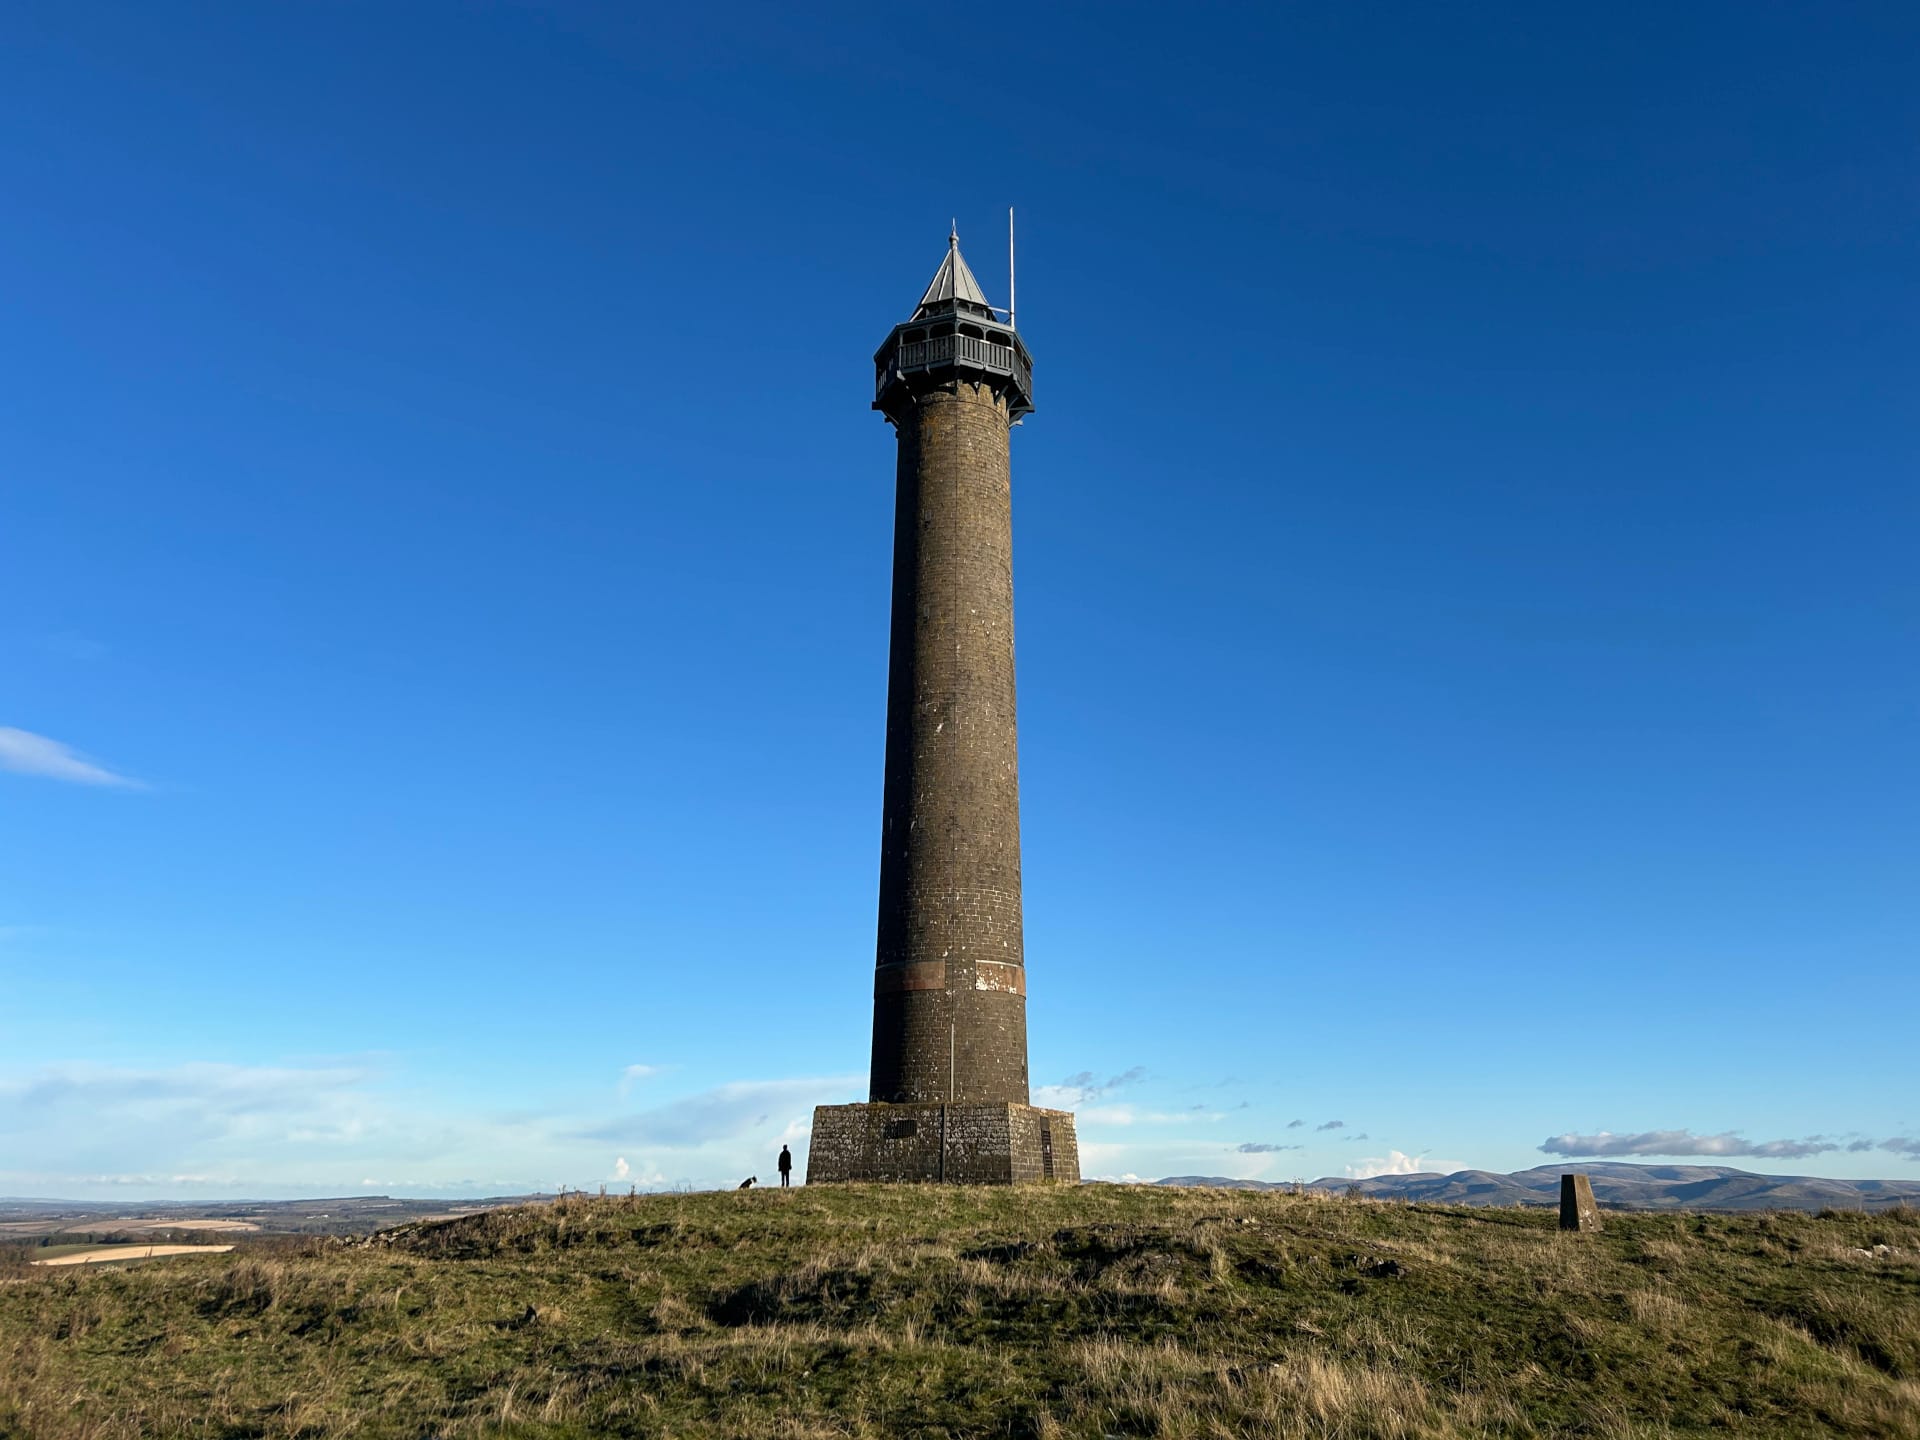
(1618, 1186)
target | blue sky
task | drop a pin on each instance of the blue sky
(1467, 605)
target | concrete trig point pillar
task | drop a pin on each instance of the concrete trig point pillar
(949, 1097)
(1577, 1208)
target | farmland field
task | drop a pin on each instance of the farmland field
(96, 1254)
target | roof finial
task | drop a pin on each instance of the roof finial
(953, 234)
(953, 281)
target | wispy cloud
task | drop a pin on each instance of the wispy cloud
(1295, 1124)
(726, 1112)
(1902, 1145)
(166, 1126)
(1084, 1088)
(222, 1089)
(634, 1074)
(1122, 1114)
(1684, 1142)
(1262, 1147)
(69, 1130)
(26, 753)
(1332, 1125)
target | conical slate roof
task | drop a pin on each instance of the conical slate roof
(954, 280)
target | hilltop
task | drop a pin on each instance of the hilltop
(1088, 1312)
(1615, 1184)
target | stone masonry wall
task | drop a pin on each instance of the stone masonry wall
(957, 1144)
(1044, 1146)
(950, 979)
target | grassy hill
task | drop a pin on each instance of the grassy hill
(1101, 1311)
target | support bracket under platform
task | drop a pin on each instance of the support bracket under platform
(932, 1143)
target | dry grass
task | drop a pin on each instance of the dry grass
(1099, 1312)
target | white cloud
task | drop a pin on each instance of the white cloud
(621, 1170)
(26, 753)
(1392, 1163)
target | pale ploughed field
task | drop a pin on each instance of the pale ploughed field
(131, 1252)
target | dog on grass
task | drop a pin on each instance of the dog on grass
(749, 1182)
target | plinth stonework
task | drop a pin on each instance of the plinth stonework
(958, 1144)
(949, 1084)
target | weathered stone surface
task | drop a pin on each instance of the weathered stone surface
(1577, 1208)
(949, 1079)
(950, 989)
(934, 1143)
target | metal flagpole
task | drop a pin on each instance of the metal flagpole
(1010, 323)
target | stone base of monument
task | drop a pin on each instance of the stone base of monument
(930, 1144)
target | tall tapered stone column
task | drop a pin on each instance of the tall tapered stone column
(949, 1096)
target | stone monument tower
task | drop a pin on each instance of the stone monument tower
(948, 1100)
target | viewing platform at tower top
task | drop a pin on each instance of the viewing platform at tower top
(954, 334)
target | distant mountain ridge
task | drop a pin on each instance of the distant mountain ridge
(1615, 1184)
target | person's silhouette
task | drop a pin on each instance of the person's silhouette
(786, 1167)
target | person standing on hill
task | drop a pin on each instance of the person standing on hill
(786, 1167)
